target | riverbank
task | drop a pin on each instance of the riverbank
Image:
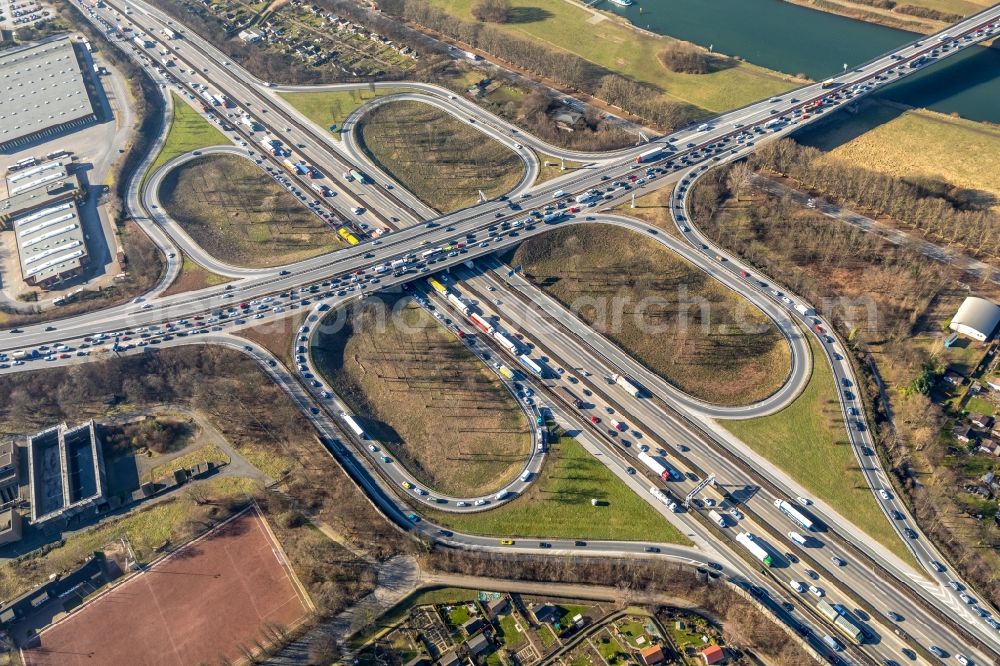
(614, 44)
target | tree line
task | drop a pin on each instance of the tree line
(638, 99)
(936, 210)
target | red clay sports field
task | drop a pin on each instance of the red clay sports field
(198, 604)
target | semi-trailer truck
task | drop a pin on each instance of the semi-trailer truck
(749, 541)
(649, 155)
(794, 514)
(654, 466)
(530, 365)
(633, 389)
(481, 324)
(459, 303)
(353, 425)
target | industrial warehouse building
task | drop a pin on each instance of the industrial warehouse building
(56, 473)
(977, 318)
(42, 210)
(42, 93)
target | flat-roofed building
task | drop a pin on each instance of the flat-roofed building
(9, 485)
(42, 211)
(42, 93)
(66, 469)
(50, 244)
(10, 526)
(42, 194)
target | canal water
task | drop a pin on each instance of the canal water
(797, 40)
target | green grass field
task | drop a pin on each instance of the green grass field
(558, 505)
(617, 47)
(188, 131)
(549, 167)
(328, 108)
(807, 439)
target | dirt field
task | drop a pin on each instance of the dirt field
(441, 160)
(699, 336)
(432, 404)
(241, 216)
(204, 602)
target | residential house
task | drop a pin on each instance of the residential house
(963, 433)
(981, 420)
(989, 447)
(546, 613)
(713, 654)
(953, 378)
(478, 644)
(497, 608)
(651, 655)
(472, 625)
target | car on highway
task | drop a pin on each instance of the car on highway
(817, 591)
(895, 617)
(413, 518)
(884, 494)
(804, 501)
(796, 585)
(838, 561)
(506, 542)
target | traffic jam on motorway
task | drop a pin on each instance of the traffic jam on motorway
(664, 158)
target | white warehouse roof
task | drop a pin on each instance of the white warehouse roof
(977, 318)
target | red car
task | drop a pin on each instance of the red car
(744, 274)
(595, 420)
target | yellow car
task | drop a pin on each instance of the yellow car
(407, 485)
(506, 542)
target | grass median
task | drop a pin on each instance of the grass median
(419, 391)
(241, 216)
(672, 317)
(188, 131)
(329, 109)
(443, 161)
(558, 505)
(807, 440)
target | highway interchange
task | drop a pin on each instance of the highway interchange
(874, 581)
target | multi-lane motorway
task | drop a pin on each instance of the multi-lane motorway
(932, 615)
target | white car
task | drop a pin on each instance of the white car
(962, 659)
(884, 494)
(798, 586)
(818, 591)
(372, 448)
(804, 501)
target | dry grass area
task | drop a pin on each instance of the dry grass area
(653, 208)
(918, 144)
(443, 161)
(427, 398)
(672, 317)
(240, 215)
(192, 278)
(276, 336)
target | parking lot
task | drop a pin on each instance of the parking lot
(16, 14)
